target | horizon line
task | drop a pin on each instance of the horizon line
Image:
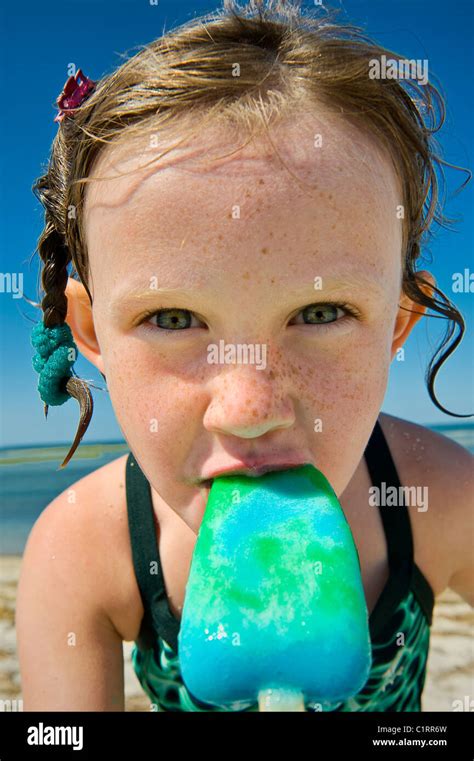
(59, 444)
(123, 441)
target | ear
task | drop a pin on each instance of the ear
(79, 319)
(409, 313)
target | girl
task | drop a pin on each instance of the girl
(241, 181)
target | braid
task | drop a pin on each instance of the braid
(53, 338)
(56, 258)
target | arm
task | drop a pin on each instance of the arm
(462, 582)
(444, 534)
(462, 576)
(70, 653)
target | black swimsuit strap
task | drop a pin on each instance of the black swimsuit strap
(395, 519)
(403, 571)
(146, 560)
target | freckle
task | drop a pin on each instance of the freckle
(333, 227)
(261, 182)
(272, 280)
(264, 250)
(219, 237)
(245, 276)
(271, 375)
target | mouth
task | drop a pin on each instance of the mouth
(253, 472)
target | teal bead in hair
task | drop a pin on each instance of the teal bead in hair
(56, 352)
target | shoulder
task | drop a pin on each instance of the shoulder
(87, 527)
(430, 460)
(417, 444)
(428, 457)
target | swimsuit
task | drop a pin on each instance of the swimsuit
(399, 624)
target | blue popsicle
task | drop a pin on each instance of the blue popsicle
(274, 597)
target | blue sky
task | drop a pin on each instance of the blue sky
(39, 40)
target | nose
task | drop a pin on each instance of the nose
(247, 402)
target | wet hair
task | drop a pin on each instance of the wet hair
(286, 58)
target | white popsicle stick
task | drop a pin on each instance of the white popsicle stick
(281, 699)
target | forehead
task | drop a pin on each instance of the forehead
(322, 176)
(314, 143)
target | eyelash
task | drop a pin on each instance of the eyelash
(352, 314)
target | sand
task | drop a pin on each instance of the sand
(450, 675)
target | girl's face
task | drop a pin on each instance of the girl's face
(186, 255)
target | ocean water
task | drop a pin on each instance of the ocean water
(30, 480)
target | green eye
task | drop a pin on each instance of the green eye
(173, 319)
(317, 314)
(325, 313)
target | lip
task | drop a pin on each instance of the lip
(252, 469)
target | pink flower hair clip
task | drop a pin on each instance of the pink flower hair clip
(73, 94)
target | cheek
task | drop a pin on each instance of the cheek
(339, 395)
(155, 407)
(340, 378)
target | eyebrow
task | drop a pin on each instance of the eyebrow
(140, 297)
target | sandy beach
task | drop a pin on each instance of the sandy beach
(450, 674)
